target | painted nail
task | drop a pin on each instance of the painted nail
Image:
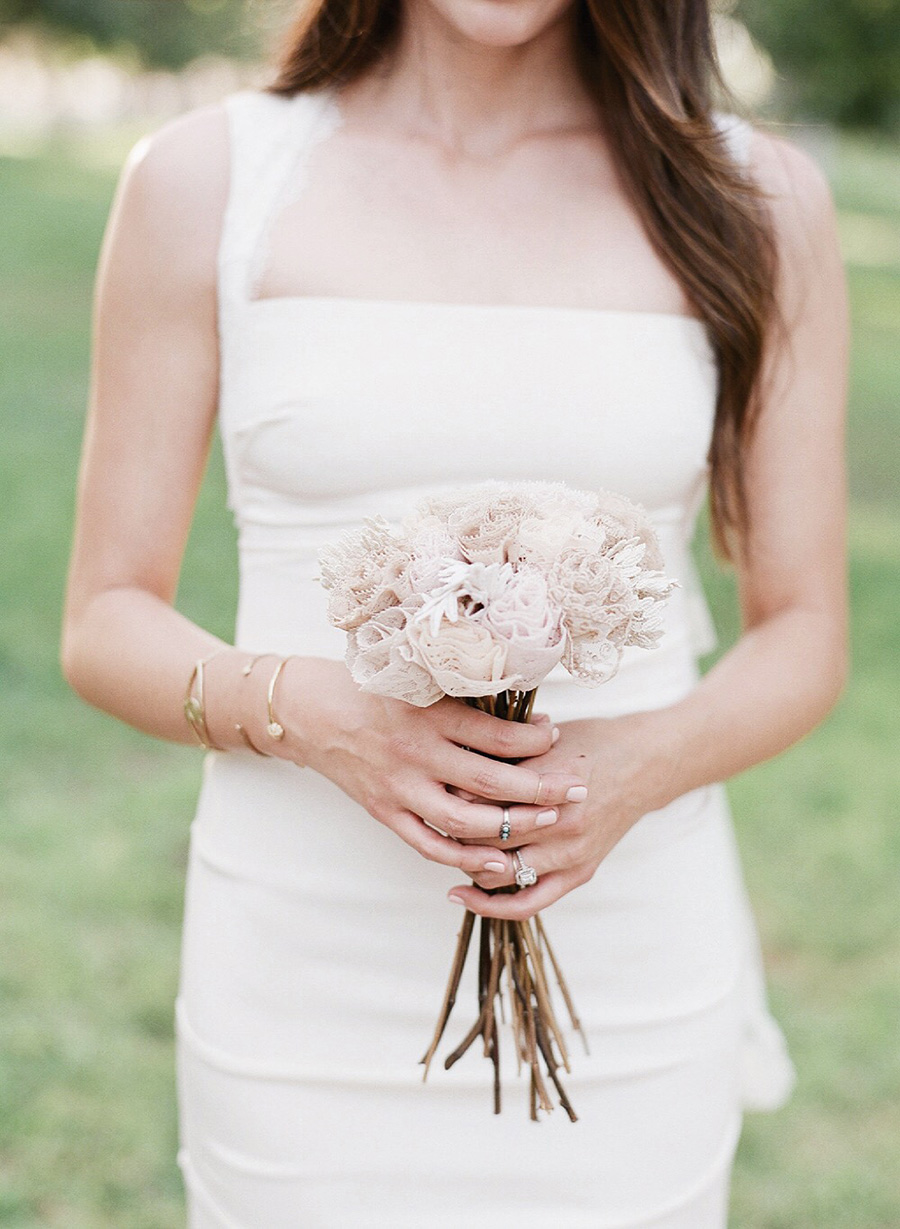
(494, 866)
(554, 737)
(457, 900)
(577, 793)
(545, 818)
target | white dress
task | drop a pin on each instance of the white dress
(316, 944)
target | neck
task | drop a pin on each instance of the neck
(473, 98)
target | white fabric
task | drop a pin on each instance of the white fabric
(316, 944)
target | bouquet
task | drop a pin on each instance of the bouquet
(478, 595)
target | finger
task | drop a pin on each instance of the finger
(479, 821)
(543, 858)
(464, 794)
(515, 906)
(471, 859)
(510, 782)
(512, 740)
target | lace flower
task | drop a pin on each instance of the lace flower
(364, 573)
(381, 659)
(523, 617)
(463, 657)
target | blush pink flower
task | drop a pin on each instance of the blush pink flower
(364, 573)
(523, 617)
(381, 659)
(622, 519)
(463, 657)
(484, 522)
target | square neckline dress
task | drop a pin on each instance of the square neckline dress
(316, 944)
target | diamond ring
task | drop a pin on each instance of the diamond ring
(526, 876)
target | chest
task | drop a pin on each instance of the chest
(328, 398)
(547, 224)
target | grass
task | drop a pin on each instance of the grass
(95, 817)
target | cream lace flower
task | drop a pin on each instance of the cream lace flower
(381, 659)
(622, 519)
(485, 522)
(486, 589)
(365, 573)
(592, 659)
(463, 657)
(523, 617)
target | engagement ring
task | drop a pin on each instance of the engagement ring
(526, 876)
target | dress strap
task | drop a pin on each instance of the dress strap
(269, 136)
(738, 134)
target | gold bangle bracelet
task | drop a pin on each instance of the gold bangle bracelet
(274, 728)
(247, 743)
(195, 706)
(248, 666)
(239, 728)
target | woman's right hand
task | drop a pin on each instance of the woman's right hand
(397, 761)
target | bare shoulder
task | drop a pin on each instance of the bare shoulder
(798, 193)
(173, 190)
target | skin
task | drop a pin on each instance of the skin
(475, 138)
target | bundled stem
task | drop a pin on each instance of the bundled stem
(512, 953)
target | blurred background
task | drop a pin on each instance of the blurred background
(95, 816)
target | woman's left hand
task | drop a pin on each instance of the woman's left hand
(620, 759)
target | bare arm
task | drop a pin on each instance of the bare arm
(788, 668)
(125, 649)
(151, 415)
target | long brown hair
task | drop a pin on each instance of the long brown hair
(651, 67)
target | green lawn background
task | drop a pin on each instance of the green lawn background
(95, 816)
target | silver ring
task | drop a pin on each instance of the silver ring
(505, 826)
(526, 876)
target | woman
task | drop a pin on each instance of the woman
(460, 240)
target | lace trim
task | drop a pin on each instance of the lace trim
(291, 184)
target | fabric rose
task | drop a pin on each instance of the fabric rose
(555, 500)
(460, 587)
(485, 524)
(588, 588)
(523, 617)
(540, 540)
(463, 657)
(622, 519)
(429, 538)
(381, 660)
(364, 573)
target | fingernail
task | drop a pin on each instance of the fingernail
(577, 793)
(554, 738)
(457, 900)
(545, 818)
(491, 866)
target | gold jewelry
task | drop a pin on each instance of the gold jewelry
(537, 792)
(239, 729)
(248, 666)
(247, 743)
(274, 728)
(195, 706)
